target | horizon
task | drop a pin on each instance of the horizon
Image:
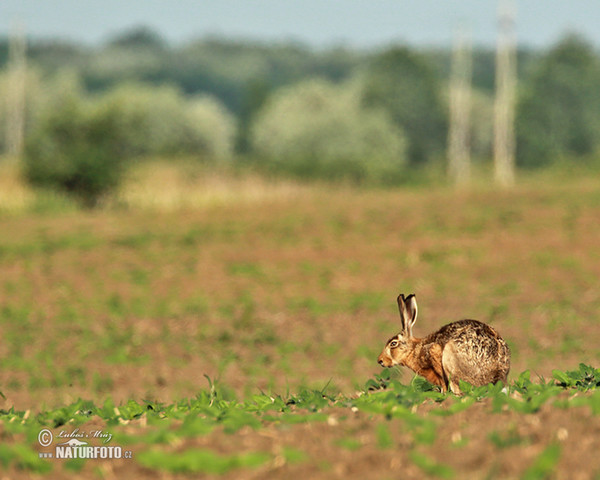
(315, 24)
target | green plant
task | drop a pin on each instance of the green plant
(558, 115)
(544, 464)
(320, 130)
(402, 83)
(430, 466)
(77, 148)
(409, 410)
(585, 378)
(159, 120)
(199, 461)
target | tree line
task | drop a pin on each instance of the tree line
(337, 113)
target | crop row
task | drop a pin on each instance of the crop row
(417, 405)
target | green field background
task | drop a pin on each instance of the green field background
(238, 337)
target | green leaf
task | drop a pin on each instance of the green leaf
(562, 378)
(430, 466)
(199, 461)
(24, 458)
(544, 464)
(292, 455)
(384, 437)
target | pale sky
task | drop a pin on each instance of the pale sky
(321, 23)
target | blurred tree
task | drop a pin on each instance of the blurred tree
(210, 129)
(439, 59)
(76, 148)
(3, 51)
(223, 68)
(482, 111)
(161, 121)
(54, 55)
(559, 111)
(321, 130)
(256, 94)
(140, 37)
(138, 54)
(400, 81)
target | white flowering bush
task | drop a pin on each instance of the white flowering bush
(212, 127)
(160, 120)
(318, 129)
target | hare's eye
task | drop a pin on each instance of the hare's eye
(393, 343)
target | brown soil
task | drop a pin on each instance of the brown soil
(347, 446)
(300, 292)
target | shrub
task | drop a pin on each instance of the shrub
(76, 148)
(161, 121)
(317, 129)
(402, 82)
(558, 115)
(80, 145)
(212, 127)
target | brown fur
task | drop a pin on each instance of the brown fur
(466, 350)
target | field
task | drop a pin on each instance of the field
(237, 337)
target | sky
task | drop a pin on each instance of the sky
(318, 23)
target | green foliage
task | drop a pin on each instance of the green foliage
(161, 121)
(293, 455)
(430, 466)
(167, 424)
(384, 437)
(142, 38)
(532, 395)
(585, 378)
(311, 400)
(401, 82)
(177, 100)
(82, 145)
(543, 466)
(76, 148)
(23, 457)
(391, 398)
(199, 461)
(320, 130)
(559, 112)
(349, 443)
(507, 439)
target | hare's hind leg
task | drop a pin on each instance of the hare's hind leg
(453, 367)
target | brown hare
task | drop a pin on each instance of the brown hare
(466, 350)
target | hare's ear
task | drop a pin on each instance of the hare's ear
(404, 314)
(410, 303)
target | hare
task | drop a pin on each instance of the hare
(466, 350)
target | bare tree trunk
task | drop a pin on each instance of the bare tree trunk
(17, 72)
(504, 107)
(459, 155)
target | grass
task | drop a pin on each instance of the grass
(283, 299)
